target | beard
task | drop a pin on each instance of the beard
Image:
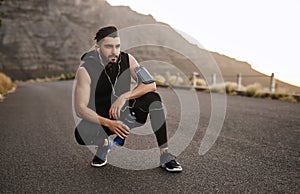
(110, 60)
(113, 59)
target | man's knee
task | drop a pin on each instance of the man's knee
(155, 102)
(153, 96)
(148, 102)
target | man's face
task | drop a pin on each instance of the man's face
(109, 49)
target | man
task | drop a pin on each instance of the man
(107, 105)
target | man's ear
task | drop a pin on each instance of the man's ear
(97, 48)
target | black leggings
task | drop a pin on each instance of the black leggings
(88, 133)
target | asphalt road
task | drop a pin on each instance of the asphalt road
(257, 150)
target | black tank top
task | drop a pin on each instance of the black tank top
(106, 83)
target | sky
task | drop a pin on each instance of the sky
(264, 33)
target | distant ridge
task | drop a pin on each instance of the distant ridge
(41, 38)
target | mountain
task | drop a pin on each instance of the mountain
(41, 38)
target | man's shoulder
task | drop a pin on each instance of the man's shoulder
(122, 53)
(89, 60)
(90, 56)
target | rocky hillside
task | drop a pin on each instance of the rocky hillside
(41, 38)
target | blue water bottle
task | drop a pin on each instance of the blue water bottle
(130, 122)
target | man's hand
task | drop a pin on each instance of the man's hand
(115, 109)
(119, 128)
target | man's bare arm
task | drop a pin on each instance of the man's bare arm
(82, 96)
(141, 88)
(138, 91)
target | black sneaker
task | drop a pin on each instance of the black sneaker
(168, 162)
(102, 160)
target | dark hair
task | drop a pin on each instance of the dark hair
(109, 31)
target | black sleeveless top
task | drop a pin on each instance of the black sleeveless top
(106, 83)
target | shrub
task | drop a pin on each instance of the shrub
(253, 90)
(172, 80)
(277, 96)
(265, 95)
(218, 88)
(231, 88)
(175, 80)
(288, 98)
(200, 82)
(6, 84)
(159, 79)
(228, 87)
(68, 76)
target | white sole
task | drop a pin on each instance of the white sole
(179, 169)
(105, 162)
(99, 165)
(174, 169)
